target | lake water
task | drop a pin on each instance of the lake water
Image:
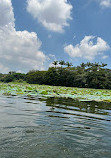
(32, 127)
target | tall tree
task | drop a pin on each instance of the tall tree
(55, 63)
(103, 65)
(69, 64)
(83, 65)
(62, 62)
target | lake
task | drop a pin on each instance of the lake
(33, 127)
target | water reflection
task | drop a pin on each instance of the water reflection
(32, 127)
(88, 106)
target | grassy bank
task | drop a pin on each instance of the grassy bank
(82, 94)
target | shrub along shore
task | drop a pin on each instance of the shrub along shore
(34, 90)
(89, 75)
(61, 81)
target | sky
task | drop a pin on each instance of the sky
(34, 33)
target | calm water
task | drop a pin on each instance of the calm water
(54, 128)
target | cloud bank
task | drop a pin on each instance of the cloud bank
(87, 49)
(52, 14)
(105, 3)
(19, 50)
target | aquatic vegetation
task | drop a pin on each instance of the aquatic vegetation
(82, 94)
(44, 92)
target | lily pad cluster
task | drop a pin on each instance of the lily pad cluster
(81, 94)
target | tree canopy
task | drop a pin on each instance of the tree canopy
(86, 75)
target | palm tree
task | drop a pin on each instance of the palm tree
(55, 63)
(62, 62)
(83, 65)
(88, 64)
(103, 65)
(69, 64)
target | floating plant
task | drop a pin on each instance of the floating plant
(82, 94)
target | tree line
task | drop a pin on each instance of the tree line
(86, 75)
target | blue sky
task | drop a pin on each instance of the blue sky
(36, 32)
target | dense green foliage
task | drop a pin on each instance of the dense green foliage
(36, 77)
(12, 76)
(89, 75)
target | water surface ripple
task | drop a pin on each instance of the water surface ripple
(32, 127)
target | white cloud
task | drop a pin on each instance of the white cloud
(2, 67)
(104, 57)
(19, 50)
(6, 14)
(87, 49)
(53, 14)
(53, 56)
(105, 3)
